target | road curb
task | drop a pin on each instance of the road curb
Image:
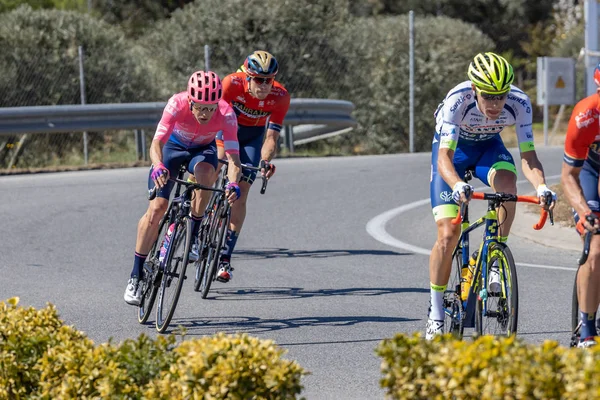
(556, 236)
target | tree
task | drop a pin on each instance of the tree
(134, 16)
(8, 5)
(443, 49)
(39, 64)
(235, 28)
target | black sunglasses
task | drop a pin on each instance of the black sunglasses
(263, 81)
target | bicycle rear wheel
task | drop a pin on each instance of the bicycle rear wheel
(497, 313)
(216, 240)
(205, 234)
(575, 320)
(174, 274)
(151, 281)
(453, 309)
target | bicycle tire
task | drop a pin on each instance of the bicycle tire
(575, 321)
(151, 281)
(453, 309)
(506, 312)
(175, 269)
(575, 326)
(217, 237)
(204, 242)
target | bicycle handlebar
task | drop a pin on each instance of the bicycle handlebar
(252, 168)
(504, 197)
(153, 192)
(586, 241)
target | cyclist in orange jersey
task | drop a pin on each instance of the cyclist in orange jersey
(581, 165)
(261, 104)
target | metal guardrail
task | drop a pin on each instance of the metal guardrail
(333, 114)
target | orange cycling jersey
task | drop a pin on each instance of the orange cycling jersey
(252, 111)
(583, 134)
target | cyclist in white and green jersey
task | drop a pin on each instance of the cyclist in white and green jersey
(467, 136)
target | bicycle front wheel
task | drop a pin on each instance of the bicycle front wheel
(453, 309)
(151, 280)
(216, 241)
(173, 274)
(497, 313)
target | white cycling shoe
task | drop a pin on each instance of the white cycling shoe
(434, 328)
(133, 292)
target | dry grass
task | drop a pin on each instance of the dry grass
(64, 168)
(563, 213)
(509, 137)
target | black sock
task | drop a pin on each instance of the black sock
(138, 265)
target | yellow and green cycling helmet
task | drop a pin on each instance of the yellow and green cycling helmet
(491, 73)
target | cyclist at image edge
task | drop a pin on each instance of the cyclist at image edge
(467, 136)
(261, 104)
(186, 134)
(581, 163)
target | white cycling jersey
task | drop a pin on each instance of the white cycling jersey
(458, 118)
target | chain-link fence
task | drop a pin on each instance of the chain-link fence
(323, 53)
(66, 73)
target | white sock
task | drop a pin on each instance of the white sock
(437, 300)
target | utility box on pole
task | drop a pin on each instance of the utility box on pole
(555, 84)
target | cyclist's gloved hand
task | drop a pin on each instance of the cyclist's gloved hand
(462, 188)
(233, 191)
(543, 193)
(160, 174)
(590, 222)
(267, 169)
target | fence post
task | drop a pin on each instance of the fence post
(144, 152)
(82, 93)
(289, 138)
(206, 57)
(138, 144)
(411, 81)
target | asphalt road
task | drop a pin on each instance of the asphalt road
(307, 273)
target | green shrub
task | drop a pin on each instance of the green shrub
(228, 367)
(25, 336)
(486, 368)
(40, 358)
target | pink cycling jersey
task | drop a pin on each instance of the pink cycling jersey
(178, 120)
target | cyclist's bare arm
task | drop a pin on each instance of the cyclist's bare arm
(156, 156)
(532, 168)
(234, 169)
(270, 145)
(156, 153)
(446, 167)
(573, 192)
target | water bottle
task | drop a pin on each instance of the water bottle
(467, 276)
(165, 244)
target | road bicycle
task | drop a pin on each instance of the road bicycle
(213, 230)
(575, 320)
(164, 272)
(468, 301)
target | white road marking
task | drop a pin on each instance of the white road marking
(376, 228)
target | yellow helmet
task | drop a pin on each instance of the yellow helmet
(491, 73)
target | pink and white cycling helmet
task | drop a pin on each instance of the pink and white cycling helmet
(205, 87)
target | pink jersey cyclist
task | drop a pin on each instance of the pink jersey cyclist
(179, 124)
(186, 140)
(185, 136)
